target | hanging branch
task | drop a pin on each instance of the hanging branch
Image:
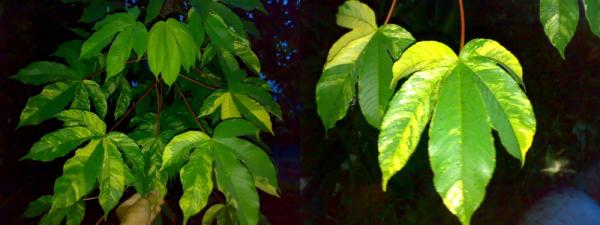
(389, 14)
(462, 24)
(132, 107)
(189, 107)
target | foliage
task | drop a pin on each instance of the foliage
(198, 58)
(464, 96)
(560, 19)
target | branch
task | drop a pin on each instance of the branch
(389, 14)
(189, 108)
(462, 24)
(132, 107)
(198, 82)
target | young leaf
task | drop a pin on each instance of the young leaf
(196, 179)
(112, 176)
(59, 143)
(461, 148)
(44, 72)
(408, 114)
(256, 160)
(178, 149)
(237, 184)
(54, 98)
(560, 18)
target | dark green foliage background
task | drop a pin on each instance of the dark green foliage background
(564, 94)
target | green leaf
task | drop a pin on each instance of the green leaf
(124, 99)
(111, 177)
(356, 15)
(212, 213)
(95, 11)
(375, 71)
(461, 148)
(242, 49)
(54, 98)
(510, 111)
(196, 179)
(560, 18)
(38, 207)
(247, 4)
(260, 95)
(219, 32)
(98, 97)
(409, 112)
(492, 50)
(152, 10)
(230, 18)
(100, 39)
(592, 13)
(140, 39)
(178, 149)
(256, 160)
(212, 102)
(169, 48)
(235, 128)
(253, 112)
(420, 56)
(44, 72)
(196, 27)
(58, 143)
(75, 213)
(79, 176)
(119, 52)
(134, 158)
(228, 107)
(81, 100)
(76, 117)
(335, 91)
(237, 184)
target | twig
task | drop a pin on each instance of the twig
(198, 82)
(90, 198)
(462, 24)
(158, 88)
(99, 220)
(189, 107)
(132, 107)
(389, 14)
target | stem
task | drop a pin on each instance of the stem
(90, 198)
(132, 107)
(389, 14)
(158, 88)
(462, 24)
(189, 107)
(198, 82)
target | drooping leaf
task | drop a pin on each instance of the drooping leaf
(59, 143)
(356, 15)
(153, 10)
(242, 49)
(54, 98)
(409, 112)
(43, 72)
(560, 18)
(38, 207)
(592, 13)
(237, 184)
(196, 179)
(178, 149)
(79, 176)
(375, 71)
(235, 128)
(253, 112)
(491, 49)
(510, 111)
(461, 148)
(256, 160)
(89, 120)
(112, 176)
(119, 52)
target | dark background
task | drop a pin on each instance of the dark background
(340, 181)
(31, 30)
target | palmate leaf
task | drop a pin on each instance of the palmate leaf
(196, 179)
(112, 176)
(465, 98)
(560, 18)
(54, 98)
(363, 55)
(59, 143)
(134, 158)
(106, 30)
(178, 149)
(170, 47)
